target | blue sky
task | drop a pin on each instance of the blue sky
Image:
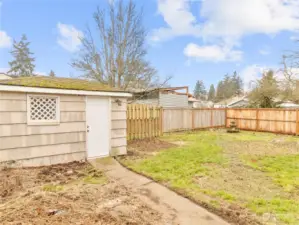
(188, 39)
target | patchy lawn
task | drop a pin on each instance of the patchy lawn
(73, 193)
(248, 178)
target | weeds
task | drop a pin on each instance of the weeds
(52, 188)
(223, 166)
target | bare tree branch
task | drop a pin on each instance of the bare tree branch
(118, 56)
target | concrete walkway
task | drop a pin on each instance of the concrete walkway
(181, 210)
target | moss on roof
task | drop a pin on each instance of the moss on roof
(59, 83)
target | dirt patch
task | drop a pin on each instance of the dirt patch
(140, 149)
(73, 193)
(149, 145)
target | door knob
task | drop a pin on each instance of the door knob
(87, 128)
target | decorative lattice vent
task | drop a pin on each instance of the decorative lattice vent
(44, 109)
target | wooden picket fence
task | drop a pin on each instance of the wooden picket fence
(143, 121)
(179, 119)
(280, 121)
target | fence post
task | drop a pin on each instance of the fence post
(212, 122)
(257, 120)
(193, 125)
(284, 124)
(225, 123)
(161, 121)
(297, 122)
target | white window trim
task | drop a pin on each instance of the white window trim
(43, 122)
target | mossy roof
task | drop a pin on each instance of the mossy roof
(59, 83)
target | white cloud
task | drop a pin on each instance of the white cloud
(5, 40)
(250, 74)
(179, 19)
(226, 21)
(36, 72)
(69, 37)
(212, 53)
(254, 72)
(264, 52)
(4, 70)
(232, 19)
(294, 38)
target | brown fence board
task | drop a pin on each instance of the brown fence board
(143, 121)
(175, 119)
(281, 121)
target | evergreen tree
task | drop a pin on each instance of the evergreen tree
(200, 90)
(237, 84)
(212, 94)
(52, 74)
(265, 92)
(230, 86)
(220, 92)
(22, 65)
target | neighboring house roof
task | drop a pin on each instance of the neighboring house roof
(172, 90)
(289, 104)
(232, 101)
(192, 99)
(59, 83)
(4, 76)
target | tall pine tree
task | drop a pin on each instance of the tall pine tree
(23, 63)
(220, 92)
(52, 74)
(237, 84)
(228, 87)
(212, 93)
(200, 90)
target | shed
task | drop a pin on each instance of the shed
(46, 120)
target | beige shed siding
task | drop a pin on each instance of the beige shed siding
(118, 127)
(49, 160)
(41, 145)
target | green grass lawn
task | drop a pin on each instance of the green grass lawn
(254, 176)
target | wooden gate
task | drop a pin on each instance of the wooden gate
(143, 121)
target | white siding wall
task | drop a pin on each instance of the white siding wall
(173, 100)
(119, 127)
(41, 145)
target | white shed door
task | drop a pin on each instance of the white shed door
(98, 127)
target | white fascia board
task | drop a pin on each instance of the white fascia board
(12, 88)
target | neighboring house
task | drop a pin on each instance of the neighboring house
(45, 120)
(164, 97)
(289, 105)
(4, 76)
(195, 103)
(234, 102)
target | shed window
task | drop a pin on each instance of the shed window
(43, 110)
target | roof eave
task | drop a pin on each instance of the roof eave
(15, 88)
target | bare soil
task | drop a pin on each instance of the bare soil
(149, 145)
(140, 149)
(72, 193)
